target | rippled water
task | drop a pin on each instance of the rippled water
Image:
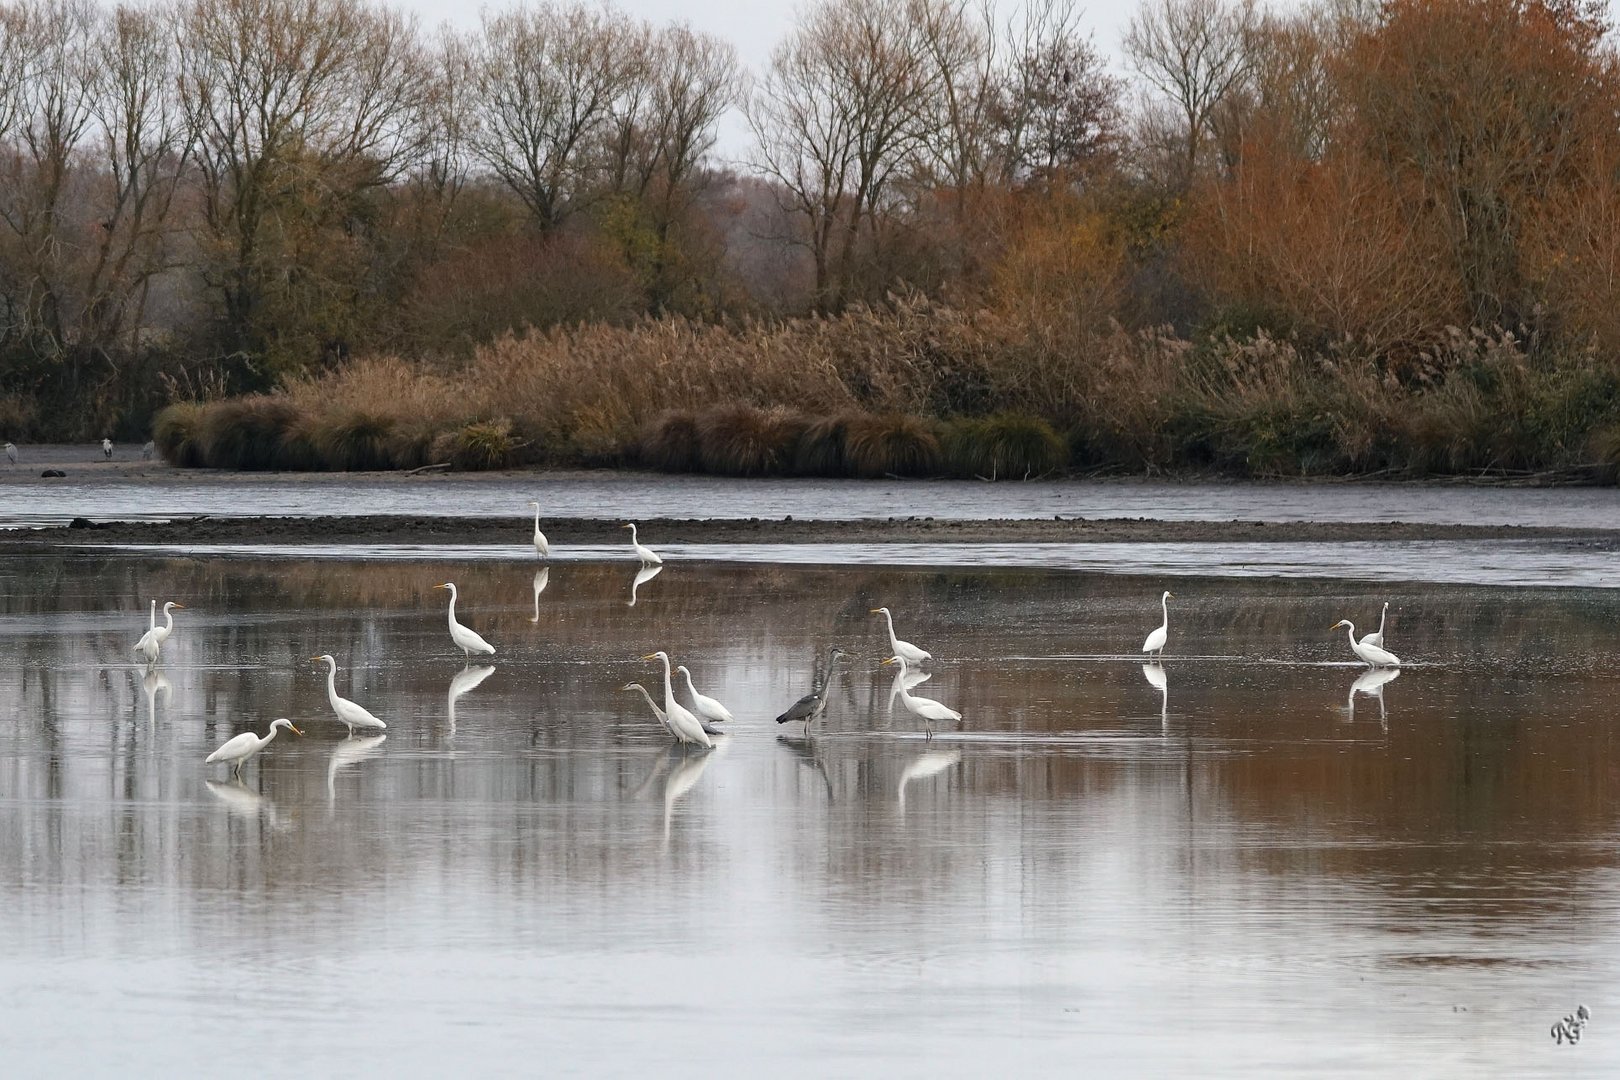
(31, 501)
(1254, 860)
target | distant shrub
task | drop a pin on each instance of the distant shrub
(484, 445)
(741, 440)
(890, 445)
(670, 442)
(354, 440)
(821, 447)
(174, 431)
(246, 433)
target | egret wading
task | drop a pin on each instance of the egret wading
(151, 642)
(810, 707)
(927, 708)
(541, 547)
(705, 707)
(465, 638)
(1370, 654)
(682, 724)
(106, 449)
(664, 720)
(647, 555)
(11, 453)
(904, 649)
(349, 714)
(1376, 639)
(239, 749)
(1155, 641)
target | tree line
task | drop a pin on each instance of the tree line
(213, 196)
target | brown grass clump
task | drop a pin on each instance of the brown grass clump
(741, 440)
(670, 443)
(353, 440)
(820, 451)
(890, 445)
(1007, 446)
(246, 433)
(174, 431)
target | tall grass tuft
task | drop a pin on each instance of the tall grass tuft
(174, 431)
(670, 442)
(741, 440)
(247, 433)
(890, 445)
(821, 448)
(353, 440)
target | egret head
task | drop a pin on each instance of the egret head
(659, 655)
(286, 723)
(174, 604)
(895, 660)
(631, 686)
(1341, 622)
(534, 503)
(324, 658)
(627, 525)
(444, 585)
(682, 669)
(1168, 595)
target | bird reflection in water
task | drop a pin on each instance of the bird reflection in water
(1154, 673)
(686, 766)
(808, 751)
(644, 575)
(541, 577)
(243, 802)
(154, 683)
(925, 765)
(465, 681)
(350, 751)
(1371, 682)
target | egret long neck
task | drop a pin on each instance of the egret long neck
(168, 619)
(669, 688)
(452, 605)
(1164, 606)
(1382, 615)
(537, 521)
(268, 739)
(889, 622)
(151, 618)
(331, 683)
(1350, 632)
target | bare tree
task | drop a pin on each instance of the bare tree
(1195, 53)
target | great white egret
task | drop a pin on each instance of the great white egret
(930, 763)
(11, 453)
(151, 642)
(905, 649)
(106, 449)
(541, 576)
(908, 680)
(151, 615)
(1371, 654)
(239, 749)
(465, 638)
(1155, 641)
(663, 721)
(644, 575)
(682, 724)
(647, 555)
(350, 714)
(927, 708)
(810, 707)
(541, 547)
(706, 707)
(1377, 638)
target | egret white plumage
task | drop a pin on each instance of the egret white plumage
(706, 707)
(11, 453)
(466, 639)
(1377, 637)
(682, 723)
(904, 649)
(663, 721)
(1370, 654)
(541, 547)
(810, 707)
(349, 714)
(647, 555)
(1156, 640)
(239, 749)
(927, 708)
(106, 449)
(151, 642)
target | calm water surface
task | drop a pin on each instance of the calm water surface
(1252, 861)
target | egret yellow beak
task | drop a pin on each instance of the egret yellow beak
(446, 585)
(650, 656)
(1171, 595)
(294, 730)
(890, 660)
(180, 607)
(317, 659)
(625, 526)
(874, 611)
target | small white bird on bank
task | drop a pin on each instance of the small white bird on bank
(541, 547)
(927, 708)
(106, 449)
(349, 714)
(908, 652)
(148, 450)
(706, 707)
(1376, 638)
(11, 453)
(647, 555)
(466, 639)
(1156, 641)
(682, 723)
(151, 642)
(1370, 654)
(239, 749)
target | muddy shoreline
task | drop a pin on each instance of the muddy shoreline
(567, 531)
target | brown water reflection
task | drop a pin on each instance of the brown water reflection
(1219, 866)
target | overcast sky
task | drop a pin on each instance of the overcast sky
(754, 27)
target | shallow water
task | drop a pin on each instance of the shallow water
(1256, 869)
(30, 501)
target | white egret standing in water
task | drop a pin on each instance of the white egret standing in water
(350, 714)
(682, 723)
(903, 649)
(541, 547)
(151, 642)
(706, 707)
(663, 721)
(1376, 638)
(541, 576)
(1370, 654)
(465, 638)
(245, 745)
(810, 707)
(647, 555)
(927, 708)
(1156, 640)
(106, 449)
(11, 453)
